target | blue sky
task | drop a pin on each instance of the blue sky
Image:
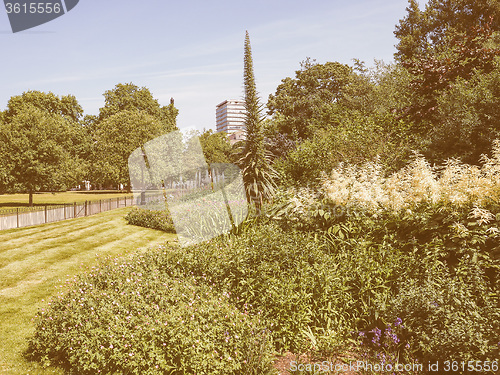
(190, 50)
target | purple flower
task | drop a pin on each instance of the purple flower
(398, 322)
(376, 337)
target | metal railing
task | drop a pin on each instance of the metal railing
(28, 216)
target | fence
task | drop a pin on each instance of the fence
(19, 218)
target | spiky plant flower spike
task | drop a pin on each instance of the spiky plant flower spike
(253, 158)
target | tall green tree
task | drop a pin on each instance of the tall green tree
(115, 138)
(130, 117)
(449, 39)
(299, 101)
(449, 47)
(128, 97)
(253, 157)
(65, 106)
(38, 151)
(468, 118)
(216, 147)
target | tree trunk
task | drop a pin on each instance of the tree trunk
(31, 198)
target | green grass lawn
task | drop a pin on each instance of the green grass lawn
(34, 261)
(8, 201)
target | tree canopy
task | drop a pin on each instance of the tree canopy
(129, 118)
(128, 97)
(216, 147)
(37, 151)
(449, 39)
(301, 99)
(115, 138)
(65, 106)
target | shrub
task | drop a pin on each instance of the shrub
(446, 220)
(447, 319)
(454, 183)
(297, 280)
(130, 317)
(154, 219)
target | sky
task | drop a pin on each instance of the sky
(189, 50)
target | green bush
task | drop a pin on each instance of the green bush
(459, 243)
(131, 317)
(447, 319)
(308, 292)
(154, 219)
(311, 283)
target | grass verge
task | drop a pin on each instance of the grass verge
(34, 261)
(10, 201)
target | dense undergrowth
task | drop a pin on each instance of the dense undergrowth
(398, 269)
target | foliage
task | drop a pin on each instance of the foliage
(280, 146)
(129, 97)
(216, 147)
(65, 106)
(303, 165)
(300, 100)
(154, 219)
(39, 150)
(447, 318)
(446, 41)
(314, 279)
(388, 347)
(44, 255)
(443, 228)
(454, 183)
(359, 138)
(115, 138)
(294, 280)
(130, 117)
(349, 115)
(130, 316)
(252, 156)
(468, 118)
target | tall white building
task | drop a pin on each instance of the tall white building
(230, 116)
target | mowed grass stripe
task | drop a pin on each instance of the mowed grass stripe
(75, 232)
(73, 248)
(15, 238)
(33, 256)
(38, 265)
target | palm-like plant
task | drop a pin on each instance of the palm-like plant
(253, 158)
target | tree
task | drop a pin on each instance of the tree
(65, 106)
(128, 97)
(468, 118)
(448, 40)
(301, 100)
(129, 118)
(37, 151)
(253, 158)
(4, 168)
(216, 147)
(115, 138)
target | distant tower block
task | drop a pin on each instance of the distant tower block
(230, 116)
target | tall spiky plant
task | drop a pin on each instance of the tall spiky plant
(253, 157)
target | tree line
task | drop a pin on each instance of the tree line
(47, 144)
(440, 98)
